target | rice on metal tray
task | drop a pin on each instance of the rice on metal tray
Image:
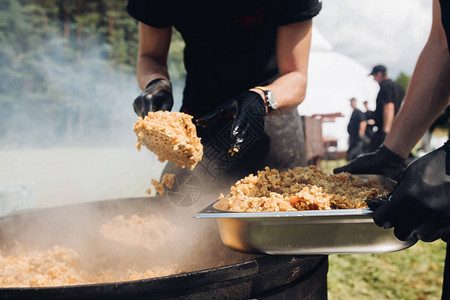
(301, 188)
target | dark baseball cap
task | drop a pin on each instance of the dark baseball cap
(378, 68)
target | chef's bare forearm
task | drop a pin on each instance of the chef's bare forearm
(426, 98)
(153, 53)
(148, 69)
(417, 115)
(293, 46)
(290, 90)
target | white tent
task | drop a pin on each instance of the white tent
(334, 78)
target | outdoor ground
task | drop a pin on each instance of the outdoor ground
(414, 273)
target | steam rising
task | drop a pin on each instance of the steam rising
(72, 138)
(194, 245)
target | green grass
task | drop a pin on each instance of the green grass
(415, 273)
(328, 165)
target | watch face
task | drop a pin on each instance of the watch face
(271, 100)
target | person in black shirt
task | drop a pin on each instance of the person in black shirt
(246, 64)
(356, 130)
(419, 205)
(370, 120)
(388, 103)
(368, 112)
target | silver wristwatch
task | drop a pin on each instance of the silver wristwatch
(270, 99)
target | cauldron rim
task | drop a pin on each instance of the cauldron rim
(251, 267)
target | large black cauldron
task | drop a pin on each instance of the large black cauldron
(262, 277)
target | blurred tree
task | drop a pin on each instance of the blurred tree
(403, 80)
(176, 64)
(24, 27)
(65, 67)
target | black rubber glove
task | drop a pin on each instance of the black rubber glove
(419, 205)
(156, 96)
(246, 111)
(381, 162)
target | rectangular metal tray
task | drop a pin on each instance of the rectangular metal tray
(304, 232)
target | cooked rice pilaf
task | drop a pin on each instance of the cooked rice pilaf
(171, 136)
(60, 265)
(167, 180)
(132, 248)
(151, 232)
(301, 188)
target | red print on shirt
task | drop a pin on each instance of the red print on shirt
(256, 18)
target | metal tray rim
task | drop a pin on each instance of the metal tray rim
(213, 213)
(335, 231)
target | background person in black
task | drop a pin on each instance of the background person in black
(370, 120)
(231, 48)
(368, 111)
(419, 206)
(388, 103)
(356, 129)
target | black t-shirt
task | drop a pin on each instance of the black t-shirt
(390, 91)
(354, 123)
(230, 45)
